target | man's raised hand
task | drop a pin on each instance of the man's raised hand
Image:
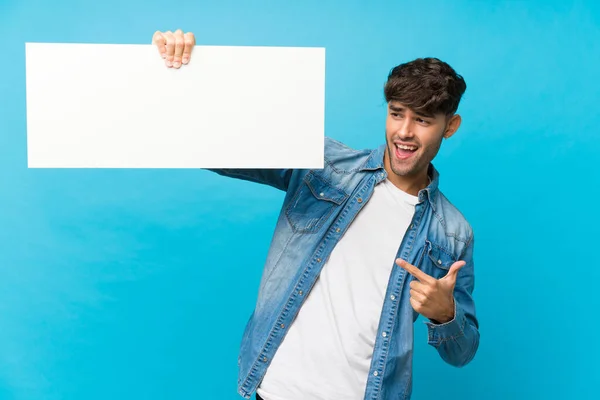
(432, 298)
(174, 47)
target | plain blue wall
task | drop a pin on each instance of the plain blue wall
(136, 284)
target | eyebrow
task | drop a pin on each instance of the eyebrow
(400, 109)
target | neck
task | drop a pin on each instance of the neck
(411, 184)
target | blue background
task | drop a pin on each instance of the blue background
(136, 284)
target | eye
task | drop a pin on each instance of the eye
(422, 121)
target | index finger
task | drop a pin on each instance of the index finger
(160, 42)
(414, 271)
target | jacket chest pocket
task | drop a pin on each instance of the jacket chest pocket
(313, 203)
(440, 259)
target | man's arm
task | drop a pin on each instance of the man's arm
(457, 340)
(277, 178)
(448, 304)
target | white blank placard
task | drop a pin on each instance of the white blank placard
(119, 106)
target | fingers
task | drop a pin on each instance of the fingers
(160, 42)
(414, 271)
(420, 287)
(416, 305)
(170, 45)
(179, 45)
(419, 297)
(189, 43)
(174, 47)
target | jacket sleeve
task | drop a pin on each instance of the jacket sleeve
(457, 340)
(277, 178)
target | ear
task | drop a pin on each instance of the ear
(452, 126)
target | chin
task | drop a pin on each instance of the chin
(404, 170)
(403, 167)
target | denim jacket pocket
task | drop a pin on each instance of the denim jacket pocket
(313, 203)
(441, 259)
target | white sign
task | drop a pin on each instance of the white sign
(119, 106)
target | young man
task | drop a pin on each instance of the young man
(360, 249)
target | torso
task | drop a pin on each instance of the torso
(326, 354)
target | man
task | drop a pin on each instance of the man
(360, 249)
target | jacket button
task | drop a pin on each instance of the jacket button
(359, 200)
(318, 260)
(300, 292)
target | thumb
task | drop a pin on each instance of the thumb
(453, 272)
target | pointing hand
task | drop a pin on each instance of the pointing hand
(433, 298)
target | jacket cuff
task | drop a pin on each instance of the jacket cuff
(439, 333)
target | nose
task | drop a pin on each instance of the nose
(405, 129)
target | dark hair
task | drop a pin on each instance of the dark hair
(426, 85)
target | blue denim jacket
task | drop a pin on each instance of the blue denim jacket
(319, 206)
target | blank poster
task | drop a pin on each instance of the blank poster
(119, 106)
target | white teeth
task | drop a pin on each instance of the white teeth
(403, 147)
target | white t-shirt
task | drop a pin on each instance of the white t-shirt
(327, 352)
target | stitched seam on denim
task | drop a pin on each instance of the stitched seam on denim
(237, 173)
(356, 169)
(289, 207)
(456, 237)
(253, 370)
(467, 244)
(344, 213)
(342, 171)
(293, 295)
(461, 326)
(270, 337)
(300, 281)
(276, 261)
(328, 182)
(442, 249)
(322, 219)
(410, 244)
(410, 376)
(376, 390)
(471, 353)
(393, 319)
(453, 337)
(439, 217)
(417, 224)
(422, 256)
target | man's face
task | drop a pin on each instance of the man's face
(413, 139)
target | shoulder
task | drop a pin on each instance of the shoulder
(343, 158)
(342, 170)
(455, 224)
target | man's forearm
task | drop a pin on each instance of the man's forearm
(277, 178)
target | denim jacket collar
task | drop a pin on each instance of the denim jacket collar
(375, 162)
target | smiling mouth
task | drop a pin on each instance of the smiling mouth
(404, 151)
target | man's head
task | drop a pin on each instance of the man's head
(423, 96)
